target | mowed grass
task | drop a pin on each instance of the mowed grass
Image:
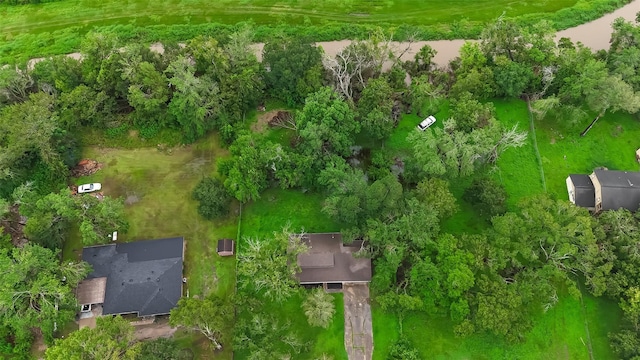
(62, 14)
(611, 143)
(156, 186)
(559, 334)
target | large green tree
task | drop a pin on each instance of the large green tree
(326, 124)
(268, 266)
(293, 69)
(209, 316)
(37, 291)
(374, 108)
(111, 339)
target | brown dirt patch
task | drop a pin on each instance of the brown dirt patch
(159, 329)
(134, 134)
(263, 121)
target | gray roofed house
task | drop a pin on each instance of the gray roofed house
(616, 189)
(581, 191)
(330, 261)
(142, 277)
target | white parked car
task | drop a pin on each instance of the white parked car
(87, 188)
(426, 123)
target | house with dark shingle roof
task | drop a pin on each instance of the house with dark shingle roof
(605, 190)
(331, 263)
(142, 277)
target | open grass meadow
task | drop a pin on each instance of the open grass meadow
(156, 185)
(559, 334)
(29, 31)
(611, 143)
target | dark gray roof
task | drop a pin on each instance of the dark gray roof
(225, 245)
(619, 189)
(328, 260)
(143, 277)
(585, 195)
(620, 179)
(581, 180)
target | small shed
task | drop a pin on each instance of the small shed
(226, 247)
(638, 155)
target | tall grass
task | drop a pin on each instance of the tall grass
(57, 28)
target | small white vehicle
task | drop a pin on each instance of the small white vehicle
(87, 188)
(426, 123)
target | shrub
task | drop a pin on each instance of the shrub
(487, 196)
(403, 350)
(163, 349)
(213, 197)
(319, 308)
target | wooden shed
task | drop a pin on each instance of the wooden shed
(226, 247)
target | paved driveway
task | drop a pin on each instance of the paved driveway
(358, 332)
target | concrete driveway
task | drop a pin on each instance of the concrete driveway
(358, 331)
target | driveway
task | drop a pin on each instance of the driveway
(358, 331)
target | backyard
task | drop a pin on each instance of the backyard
(156, 183)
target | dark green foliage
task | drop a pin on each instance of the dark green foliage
(213, 198)
(37, 291)
(163, 349)
(403, 350)
(488, 196)
(294, 69)
(374, 108)
(469, 113)
(380, 167)
(60, 73)
(112, 338)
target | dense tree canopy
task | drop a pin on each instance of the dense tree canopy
(36, 291)
(112, 338)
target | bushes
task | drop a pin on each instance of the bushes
(488, 196)
(163, 349)
(213, 197)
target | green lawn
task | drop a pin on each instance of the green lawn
(611, 143)
(29, 31)
(277, 208)
(559, 334)
(66, 13)
(157, 187)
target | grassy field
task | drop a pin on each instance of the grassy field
(66, 13)
(559, 334)
(156, 186)
(29, 31)
(611, 143)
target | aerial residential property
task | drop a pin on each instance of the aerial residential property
(304, 180)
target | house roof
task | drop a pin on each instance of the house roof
(618, 179)
(619, 189)
(328, 260)
(584, 191)
(91, 291)
(143, 277)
